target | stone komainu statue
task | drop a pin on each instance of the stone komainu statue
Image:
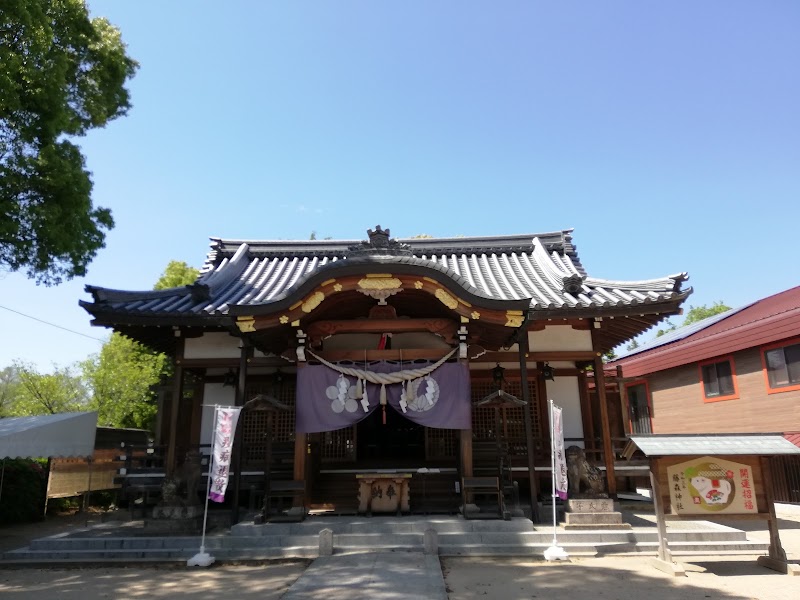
(585, 480)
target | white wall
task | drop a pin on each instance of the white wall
(559, 338)
(212, 345)
(214, 393)
(565, 393)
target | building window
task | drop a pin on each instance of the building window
(719, 380)
(638, 407)
(782, 366)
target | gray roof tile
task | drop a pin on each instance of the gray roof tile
(246, 272)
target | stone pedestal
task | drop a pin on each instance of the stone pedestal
(383, 492)
(593, 513)
(175, 519)
(177, 512)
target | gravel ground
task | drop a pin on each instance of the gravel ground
(607, 578)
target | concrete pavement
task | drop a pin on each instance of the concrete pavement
(384, 575)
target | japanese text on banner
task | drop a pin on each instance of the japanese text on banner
(223, 449)
(560, 459)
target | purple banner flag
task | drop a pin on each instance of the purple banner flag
(224, 431)
(560, 464)
(328, 400)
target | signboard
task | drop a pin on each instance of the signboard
(711, 485)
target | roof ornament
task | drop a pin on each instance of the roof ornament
(379, 242)
(572, 284)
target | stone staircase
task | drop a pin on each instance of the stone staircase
(456, 537)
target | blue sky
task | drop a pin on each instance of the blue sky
(666, 134)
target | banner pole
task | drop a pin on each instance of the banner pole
(203, 558)
(554, 552)
(553, 468)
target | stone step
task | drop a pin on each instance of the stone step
(382, 525)
(534, 550)
(708, 547)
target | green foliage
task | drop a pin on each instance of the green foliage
(176, 274)
(9, 385)
(695, 314)
(669, 326)
(633, 345)
(121, 378)
(698, 313)
(63, 74)
(47, 394)
(24, 488)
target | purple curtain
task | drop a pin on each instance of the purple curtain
(326, 400)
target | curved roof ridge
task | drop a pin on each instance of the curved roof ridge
(101, 294)
(552, 270)
(669, 282)
(554, 240)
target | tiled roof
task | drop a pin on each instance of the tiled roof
(767, 320)
(543, 270)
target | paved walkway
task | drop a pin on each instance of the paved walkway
(384, 575)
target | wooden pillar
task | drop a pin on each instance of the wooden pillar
(268, 464)
(776, 551)
(587, 414)
(664, 553)
(466, 452)
(177, 394)
(526, 411)
(608, 448)
(300, 453)
(245, 354)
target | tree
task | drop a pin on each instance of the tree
(668, 326)
(176, 274)
(122, 376)
(9, 385)
(48, 394)
(698, 313)
(633, 345)
(63, 74)
(695, 314)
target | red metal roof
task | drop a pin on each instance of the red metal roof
(793, 437)
(768, 320)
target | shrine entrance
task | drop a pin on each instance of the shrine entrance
(397, 441)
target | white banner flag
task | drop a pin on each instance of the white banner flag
(226, 419)
(560, 465)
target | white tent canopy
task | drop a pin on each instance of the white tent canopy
(65, 434)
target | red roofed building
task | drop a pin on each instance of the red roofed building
(734, 372)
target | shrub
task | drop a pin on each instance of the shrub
(24, 488)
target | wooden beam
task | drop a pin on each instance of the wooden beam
(444, 327)
(361, 355)
(514, 374)
(560, 355)
(232, 363)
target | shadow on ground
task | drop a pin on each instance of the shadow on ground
(266, 582)
(612, 578)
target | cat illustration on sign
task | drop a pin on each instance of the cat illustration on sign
(713, 491)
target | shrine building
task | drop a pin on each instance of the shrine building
(428, 360)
